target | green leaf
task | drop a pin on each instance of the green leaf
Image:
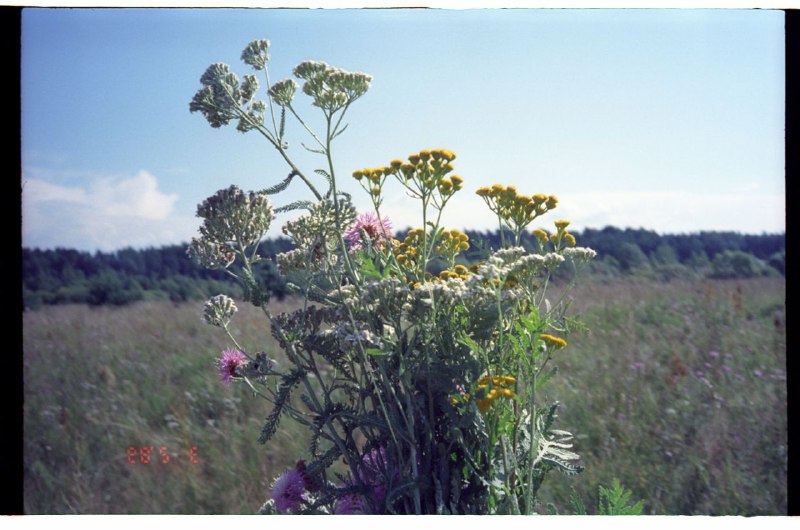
(546, 377)
(577, 503)
(376, 352)
(471, 344)
(614, 501)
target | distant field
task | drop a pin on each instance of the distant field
(677, 389)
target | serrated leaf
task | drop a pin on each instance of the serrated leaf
(546, 377)
(297, 205)
(279, 187)
(283, 123)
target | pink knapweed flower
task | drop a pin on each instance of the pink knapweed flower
(376, 229)
(287, 491)
(227, 364)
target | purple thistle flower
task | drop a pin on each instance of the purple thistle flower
(227, 364)
(758, 373)
(350, 505)
(373, 473)
(700, 374)
(714, 354)
(376, 229)
(287, 491)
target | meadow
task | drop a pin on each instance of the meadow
(678, 389)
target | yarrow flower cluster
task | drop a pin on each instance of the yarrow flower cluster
(232, 221)
(331, 88)
(255, 54)
(283, 91)
(219, 310)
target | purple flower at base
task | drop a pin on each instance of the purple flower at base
(374, 473)
(228, 363)
(376, 229)
(287, 491)
(350, 505)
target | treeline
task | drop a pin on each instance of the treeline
(665, 257)
(65, 276)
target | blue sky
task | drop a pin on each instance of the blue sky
(671, 120)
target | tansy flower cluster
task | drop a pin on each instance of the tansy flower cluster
(552, 342)
(423, 173)
(492, 388)
(459, 271)
(408, 252)
(450, 243)
(516, 210)
(561, 238)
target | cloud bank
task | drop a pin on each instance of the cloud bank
(107, 215)
(666, 212)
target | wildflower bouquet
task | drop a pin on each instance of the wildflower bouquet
(418, 376)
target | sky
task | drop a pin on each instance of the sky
(665, 119)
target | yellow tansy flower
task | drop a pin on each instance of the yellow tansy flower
(553, 342)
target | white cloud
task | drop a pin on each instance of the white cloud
(670, 212)
(137, 197)
(107, 214)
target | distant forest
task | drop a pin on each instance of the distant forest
(65, 276)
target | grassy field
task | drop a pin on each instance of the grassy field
(677, 389)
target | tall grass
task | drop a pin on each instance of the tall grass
(97, 381)
(679, 390)
(100, 380)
